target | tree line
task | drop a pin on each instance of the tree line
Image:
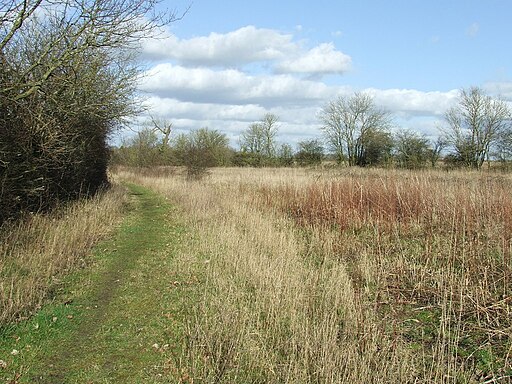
(355, 132)
(205, 148)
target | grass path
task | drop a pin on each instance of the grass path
(121, 321)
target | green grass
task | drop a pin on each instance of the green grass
(120, 321)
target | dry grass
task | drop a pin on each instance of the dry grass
(319, 276)
(353, 276)
(433, 250)
(37, 252)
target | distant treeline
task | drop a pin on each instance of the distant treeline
(355, 133)
(205, 148)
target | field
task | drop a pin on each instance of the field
(350, 275)
(339, 276)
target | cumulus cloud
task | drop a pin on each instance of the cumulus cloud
(249, 45)
(320, 60)
(167, 107)
(212, 81)
(245, 45)
(229, 86)
(413, 102)
(248, 98)
(501, 89)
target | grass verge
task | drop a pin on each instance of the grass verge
(36, 253)
(120, 321)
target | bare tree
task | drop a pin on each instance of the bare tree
(12, 16)
(310, 152)
(202, 149)
(269, 126)
(285, 155)
(503, 151)
(412, 149)
(252, 140)
(260, 138)
(475, 125)
(164, 127)
(106, 27)
(436, 148)
(346, 123)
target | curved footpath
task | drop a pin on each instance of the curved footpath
(120, 321)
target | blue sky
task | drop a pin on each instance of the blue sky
(227, 63)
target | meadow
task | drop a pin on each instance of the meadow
(348, 275)
(295, 275)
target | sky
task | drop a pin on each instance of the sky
(227, 63)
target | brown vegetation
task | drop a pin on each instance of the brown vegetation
(349, 275)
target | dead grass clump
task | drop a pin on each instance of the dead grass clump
(37, 252)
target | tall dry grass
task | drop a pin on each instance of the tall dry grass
(351, 276)
(433, 249)
(38, 251)
(269, 313)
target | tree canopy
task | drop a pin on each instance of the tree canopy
(477, 125)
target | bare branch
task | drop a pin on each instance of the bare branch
(476, 125)
(346, 122)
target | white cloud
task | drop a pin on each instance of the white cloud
(176, 109)
(193, 84)
(410, 102)
(229, 86)
(249, 45)
(431, 128)
(230, 105)
(320, 60)
(502, 89)
(245, 45)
